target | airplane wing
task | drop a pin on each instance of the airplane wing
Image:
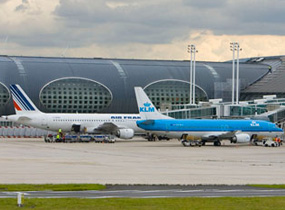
(228, 135)
(222, 135)
(113, 129)
(106, 128)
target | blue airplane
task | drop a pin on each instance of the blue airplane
(206, 130)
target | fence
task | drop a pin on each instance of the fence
(22, 132)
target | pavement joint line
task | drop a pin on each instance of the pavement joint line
(97, 197)
(194, 191)
(156, 196)
(154, 191)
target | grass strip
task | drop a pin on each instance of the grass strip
(252, 203)
(276, 186)
(53, 187)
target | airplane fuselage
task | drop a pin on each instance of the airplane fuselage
(174, 128)
(65, 122)
(121, 125)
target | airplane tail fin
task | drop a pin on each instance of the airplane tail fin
(146, 109)
(22, 103)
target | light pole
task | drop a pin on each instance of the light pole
(235, 47)
(191, 73)
(237, 85)
(192, 51)
(194, 75)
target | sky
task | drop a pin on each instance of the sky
(156, 29)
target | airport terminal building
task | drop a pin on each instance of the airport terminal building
(90, 85)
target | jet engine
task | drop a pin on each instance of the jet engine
(125, 133)
(241, 138)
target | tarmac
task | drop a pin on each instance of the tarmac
(139, 162)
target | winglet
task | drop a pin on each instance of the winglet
(146, 108)
(22, 103)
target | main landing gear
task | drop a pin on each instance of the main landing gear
(186, 142)
(217, 143)
(191, 143)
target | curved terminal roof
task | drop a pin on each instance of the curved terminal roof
(120, 76)
(272, 83)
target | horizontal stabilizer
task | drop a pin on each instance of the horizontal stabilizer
(24, 118)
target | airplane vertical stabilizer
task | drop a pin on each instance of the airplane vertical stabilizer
(22, 103)
(146, 109)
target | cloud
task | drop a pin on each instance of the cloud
(28, 22)
(23, 6)
(129, 22)
(3, 1)
(205, 3)
(162, 21)
(139, 29)
(211, 47)
(28, 6)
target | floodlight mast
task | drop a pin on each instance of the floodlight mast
(194, 76)
(192, 51)
(233, 48)
(237, 84)
(191, 74)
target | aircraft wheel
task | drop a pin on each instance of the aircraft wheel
(185, 143)
(155, 138)
(217, 143)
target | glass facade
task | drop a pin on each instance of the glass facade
(193, 113)
(164, 94)
(278, 116)
(6, 123)
(4, 95)
(247, 110)
(75, 95)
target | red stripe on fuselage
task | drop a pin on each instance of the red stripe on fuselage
(16, 106)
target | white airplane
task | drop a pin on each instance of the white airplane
(237, 131)
(121, 125)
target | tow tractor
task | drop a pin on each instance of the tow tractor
(267, 143)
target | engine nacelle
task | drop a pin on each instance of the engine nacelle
(241, 138)
(126, 133)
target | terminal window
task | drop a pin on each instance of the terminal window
(170, 92)
(76, 95)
